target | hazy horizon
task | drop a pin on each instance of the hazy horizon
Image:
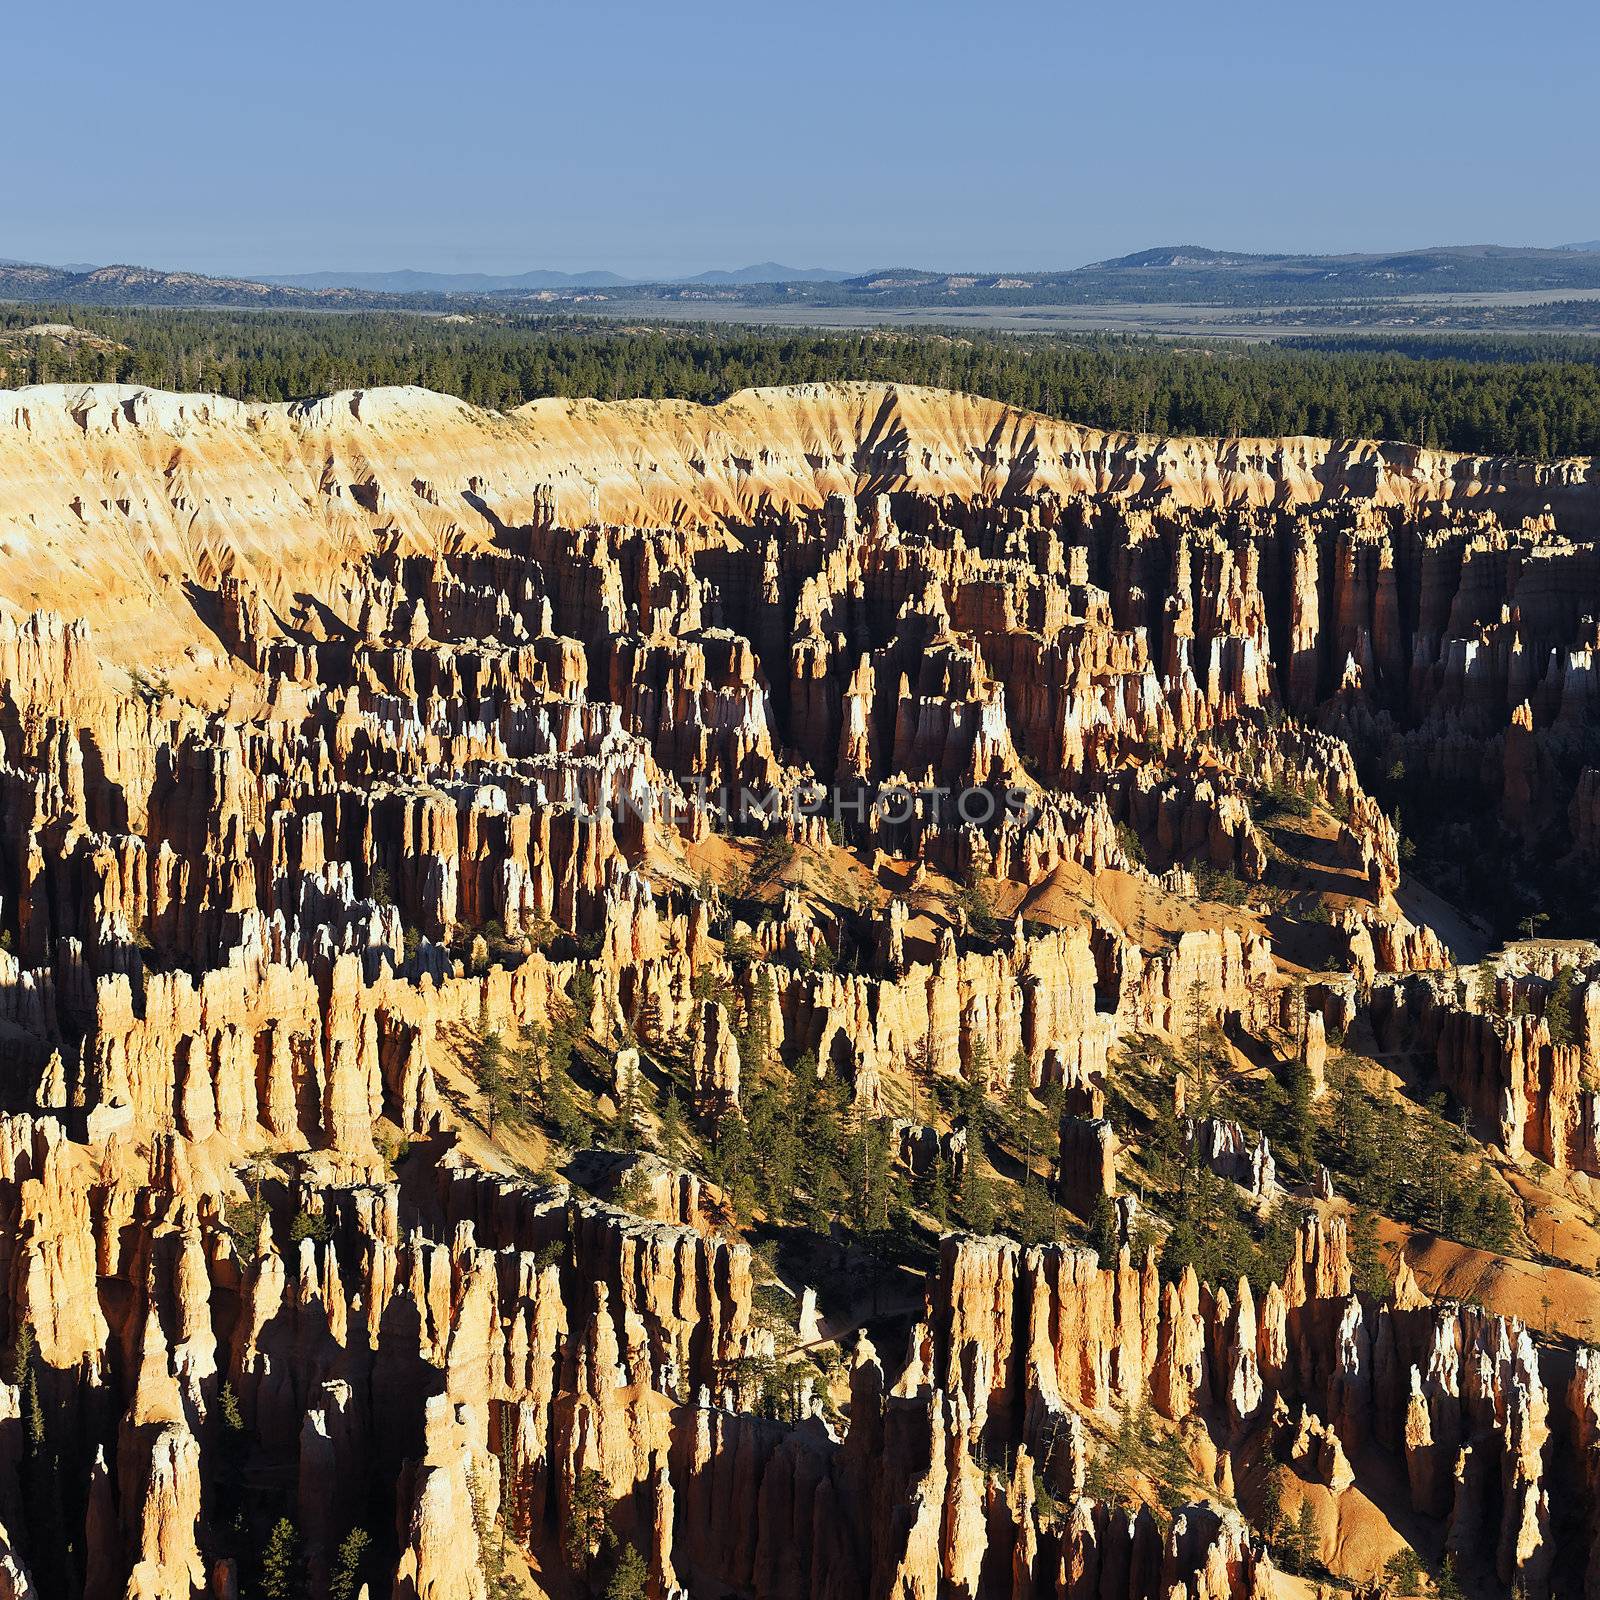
(112, 259)
(672, 141)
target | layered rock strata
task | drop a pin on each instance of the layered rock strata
(336, 736)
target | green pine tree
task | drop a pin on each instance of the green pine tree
(1366, 1260)
(630, 1112)
(577, 1022)
(40, 1472)
(487, 1066)
(674, 1135)
(344, 1583)
(1558, 1006)
(1019, 1107)
(1299, 1116)
(282, 1567)
(630, 1579)
(975, 1203)
(586, 1526)
(755, 1037)
(933, 1189)
(1103, 1231)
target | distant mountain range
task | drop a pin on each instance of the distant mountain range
(1194, 274)
(407, 282)
(1170, 274)
(769, 272)
(65, 266)
(145, 286)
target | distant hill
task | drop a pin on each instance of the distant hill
(769, 272)
(1588, 244)
(1168, 274)
(147, 286)
(398, 290)
(1179, 255)
(409, 282)
(1192, 274)
(65, 266)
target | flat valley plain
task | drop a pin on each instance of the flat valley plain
(1419, 313)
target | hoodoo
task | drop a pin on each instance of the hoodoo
(819, 997)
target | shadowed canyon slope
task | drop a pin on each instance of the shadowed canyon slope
(1112, 1145)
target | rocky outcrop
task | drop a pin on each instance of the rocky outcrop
(893, 746)
(1235, 1153)
(560, 1360)
(1088, 1165)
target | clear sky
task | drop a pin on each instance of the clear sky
(669, 137)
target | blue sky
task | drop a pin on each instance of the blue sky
(667, 138)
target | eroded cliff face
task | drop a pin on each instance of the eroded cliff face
(125, 497)
(497, 1344)
(339, 737)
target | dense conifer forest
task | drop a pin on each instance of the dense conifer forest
(1528, 396)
